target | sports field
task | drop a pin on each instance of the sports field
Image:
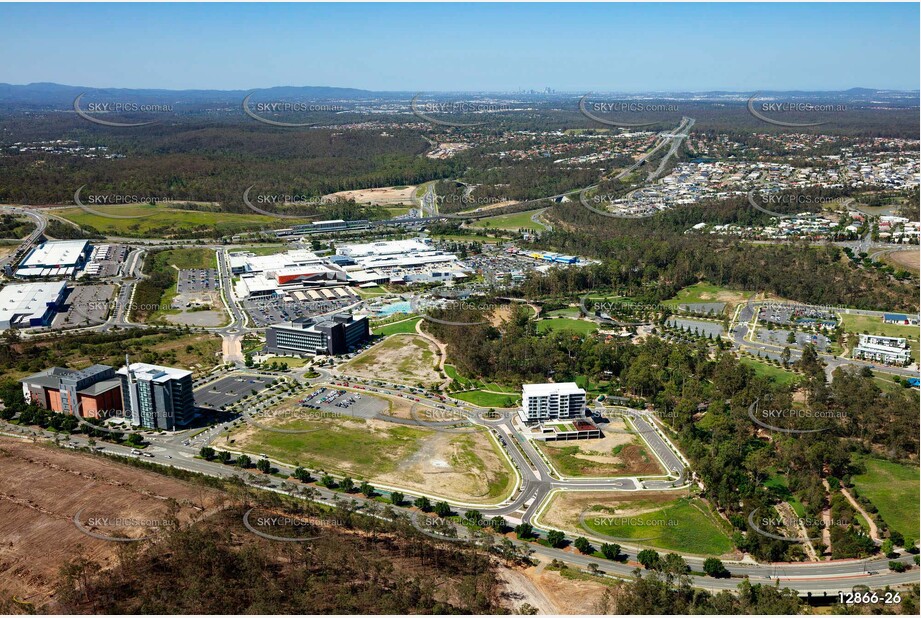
(582, 327)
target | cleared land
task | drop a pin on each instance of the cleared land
(461, 466)
(893, 488)
(909, 260)
(706, 293)
(664, 520)
(44, 488)
(381, 196)
(406, 359)
(616, 454)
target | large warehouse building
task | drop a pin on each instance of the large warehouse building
(27, 305)
(55, 258)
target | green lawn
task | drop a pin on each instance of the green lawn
(514, 222)
(168, 222)
(583, 327)
(394, 328)
(292, 362)
(267, 249)
(769, 371)
(894, 489)
(191, 258)
(685, 525)
(488, 400)
(452, 372)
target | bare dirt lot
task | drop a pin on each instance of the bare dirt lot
(908, 260)
(403, 359)
(43, 490)
(615, 454)
(381, 196)
(551, 593)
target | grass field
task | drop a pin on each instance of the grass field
(267, 249)
(190, 258)
(874, 325)
(291, 362)
(463, 466)
(766, 370)
(683, 525)
(465, 237)
(893, 488)
(514, 222)
(616, 454)
(402, 359)
(488, 400)
(583, 327)
(403, 326)
(168, 222)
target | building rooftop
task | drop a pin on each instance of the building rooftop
(55, 253)
(154, 373)
(22, 302)
(536, 390)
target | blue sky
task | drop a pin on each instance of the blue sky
(575, 47)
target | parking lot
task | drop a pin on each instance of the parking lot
(780, 337)
(702, 327)
(340, 402)
(85, 305)
(714, 309)
(197, 281)
(273, 311)
(229, 390)
(802, 314)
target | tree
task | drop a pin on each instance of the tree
(714, 568)
(263, 465)
(302, 475)
(396, 498)
(887, 547)
(244, 461)
(474, 517)
(423, 504)
(583, 545)
(206, 452)
(248, 360)
(366, 488)
(223, 457)
(524, 530)
(443, 509)
(649, 559)
(347, 484)
(498, 524)
(555, 538)
(328, 482)
(610, 551)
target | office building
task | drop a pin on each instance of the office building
(305, 336)
(157, 397)
(90, 393)
(541, 402)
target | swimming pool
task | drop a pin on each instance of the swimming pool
(400, 307)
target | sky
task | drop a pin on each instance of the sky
(464, 47)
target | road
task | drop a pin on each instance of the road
(41, 222)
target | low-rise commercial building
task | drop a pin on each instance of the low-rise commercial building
(55, 258)
(305, 336)
(28, 305)
(887, 350)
